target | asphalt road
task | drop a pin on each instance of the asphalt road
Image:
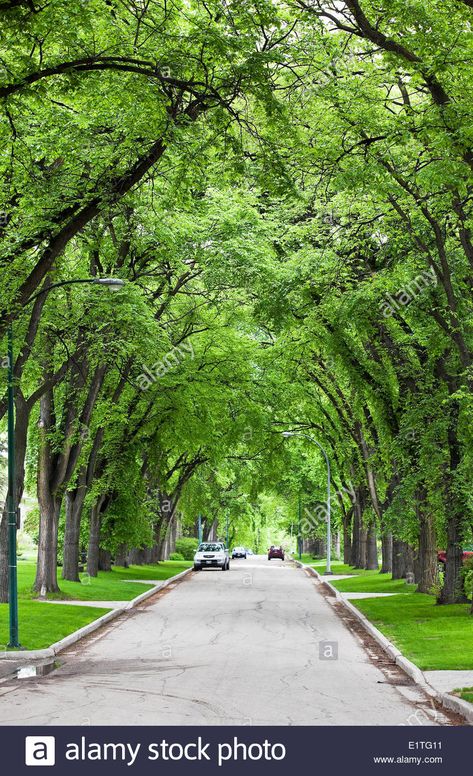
(237, 648)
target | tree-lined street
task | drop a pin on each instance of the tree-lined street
(241, 648)
(279, 193)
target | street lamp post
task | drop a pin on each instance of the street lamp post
(11, 510)
(299, 537)
(113, 284)
(328, 568)
(199, 530)
(227, 531)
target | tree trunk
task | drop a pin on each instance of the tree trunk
(46, 569)
(49, 505)
(137, 556)
(386, 553)
(94, 539)
(55, 468)
(337, 545)
(346, 546)
(148, 555)
(426, 566)
(320, 548)
(453, 592)
(74, 505)
(355, 544)
(167, 511)
(210, 531)
(105, 560)
(155, 550)
(121, 556)
(173, 534)
(164, 550)
(410, 564)
(371, 548)
(362, 560)
(359, 545)
(347, 537)
(399, 559)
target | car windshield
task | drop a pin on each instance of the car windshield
(209, 547)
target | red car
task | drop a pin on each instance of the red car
(275, 552)
(442, 558)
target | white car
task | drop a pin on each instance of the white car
(211, 555)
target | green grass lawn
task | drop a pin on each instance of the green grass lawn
(465, 693)
(362, 581)
(373, 582)
(43, 624)
(433, 637)
(108, 585)
(319, 565)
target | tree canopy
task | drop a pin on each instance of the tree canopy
(285, 189)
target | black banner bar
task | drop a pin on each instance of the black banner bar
(230, 750)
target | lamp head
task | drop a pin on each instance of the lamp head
(113, 284)
(288, 433)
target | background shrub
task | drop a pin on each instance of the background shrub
(186, 546)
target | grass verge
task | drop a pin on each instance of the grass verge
(433, 637)
(112, 585)
(373, 583)
(362, 580)
(43, 624)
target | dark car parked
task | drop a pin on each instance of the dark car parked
(275, 552)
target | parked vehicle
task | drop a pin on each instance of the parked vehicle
(442, 558)
(249, 552)
(211, 555)
(239, 552)
(275, 552)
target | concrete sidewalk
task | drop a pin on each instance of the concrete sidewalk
(447, 681)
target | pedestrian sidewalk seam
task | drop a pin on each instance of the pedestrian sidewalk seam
(451, 702)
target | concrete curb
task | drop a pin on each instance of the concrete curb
(72, 638)
(451, 702)
(148, 593)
